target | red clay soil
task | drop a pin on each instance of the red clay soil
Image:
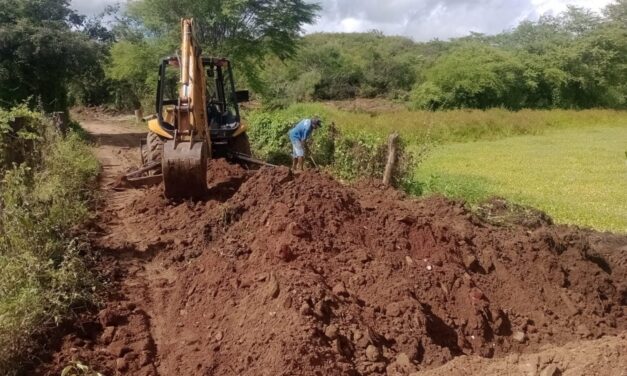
(276, 274)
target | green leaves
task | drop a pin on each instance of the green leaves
(472, 75)
(342, 66)
(134, 67)
(244, 30)
(574, 60)
(349, 155)
(41, 201)
(42, 52)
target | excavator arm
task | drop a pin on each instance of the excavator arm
(184, 162)
(191, 126)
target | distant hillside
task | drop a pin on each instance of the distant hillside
(574, 60)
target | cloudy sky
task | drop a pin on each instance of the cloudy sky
(419, 19)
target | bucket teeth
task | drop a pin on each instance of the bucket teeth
(184, 167)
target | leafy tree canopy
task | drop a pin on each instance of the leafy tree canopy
(245, 30)
(43, 49)
(574, 60)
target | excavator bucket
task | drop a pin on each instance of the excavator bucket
(184, 167)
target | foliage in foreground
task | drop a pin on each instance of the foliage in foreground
(42, 200)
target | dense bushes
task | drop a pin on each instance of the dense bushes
(134, 74)
(574, 60)
(342, 66)
(53, 57)
(42, 200)
(473, 75)
(347, 155)
(45, 50)
(21, 139)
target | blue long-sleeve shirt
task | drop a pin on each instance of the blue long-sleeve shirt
(301, 131)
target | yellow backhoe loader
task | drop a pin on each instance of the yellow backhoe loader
(196, 118)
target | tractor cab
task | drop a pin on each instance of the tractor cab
(222, 100)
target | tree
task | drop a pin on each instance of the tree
(343, 66)
(617, 12)
(244, 30)
(385, 75)
(42, 51)
(579, 21)
(573, 60)
(134, 71)
(473, 75)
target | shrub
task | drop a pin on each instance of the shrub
(21, 136)
(472, 76)
(42, 200)
(347, 155)
(268, 135)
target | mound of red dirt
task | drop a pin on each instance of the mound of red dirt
(299, 275)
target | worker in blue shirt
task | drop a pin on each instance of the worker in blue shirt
(299, 135)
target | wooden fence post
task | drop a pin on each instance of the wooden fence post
(391, 162)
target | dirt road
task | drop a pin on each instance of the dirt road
(275, 274)
(124, 247)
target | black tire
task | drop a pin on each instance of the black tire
(154, 148)
(144, 151)
(241, 145)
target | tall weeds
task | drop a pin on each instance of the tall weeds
(45, 194)
(347, 155)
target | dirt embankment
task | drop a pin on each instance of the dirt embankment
(277, 274)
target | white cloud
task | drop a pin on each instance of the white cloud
(92, 7)
(351, 24)
(418, 19)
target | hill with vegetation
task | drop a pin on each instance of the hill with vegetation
(574, 60)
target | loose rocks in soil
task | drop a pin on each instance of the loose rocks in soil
(300, 275)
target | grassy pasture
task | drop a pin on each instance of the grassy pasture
(453, 125)
(578, 176)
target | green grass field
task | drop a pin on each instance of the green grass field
(578, 176)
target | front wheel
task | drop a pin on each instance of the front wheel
(154, 148)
